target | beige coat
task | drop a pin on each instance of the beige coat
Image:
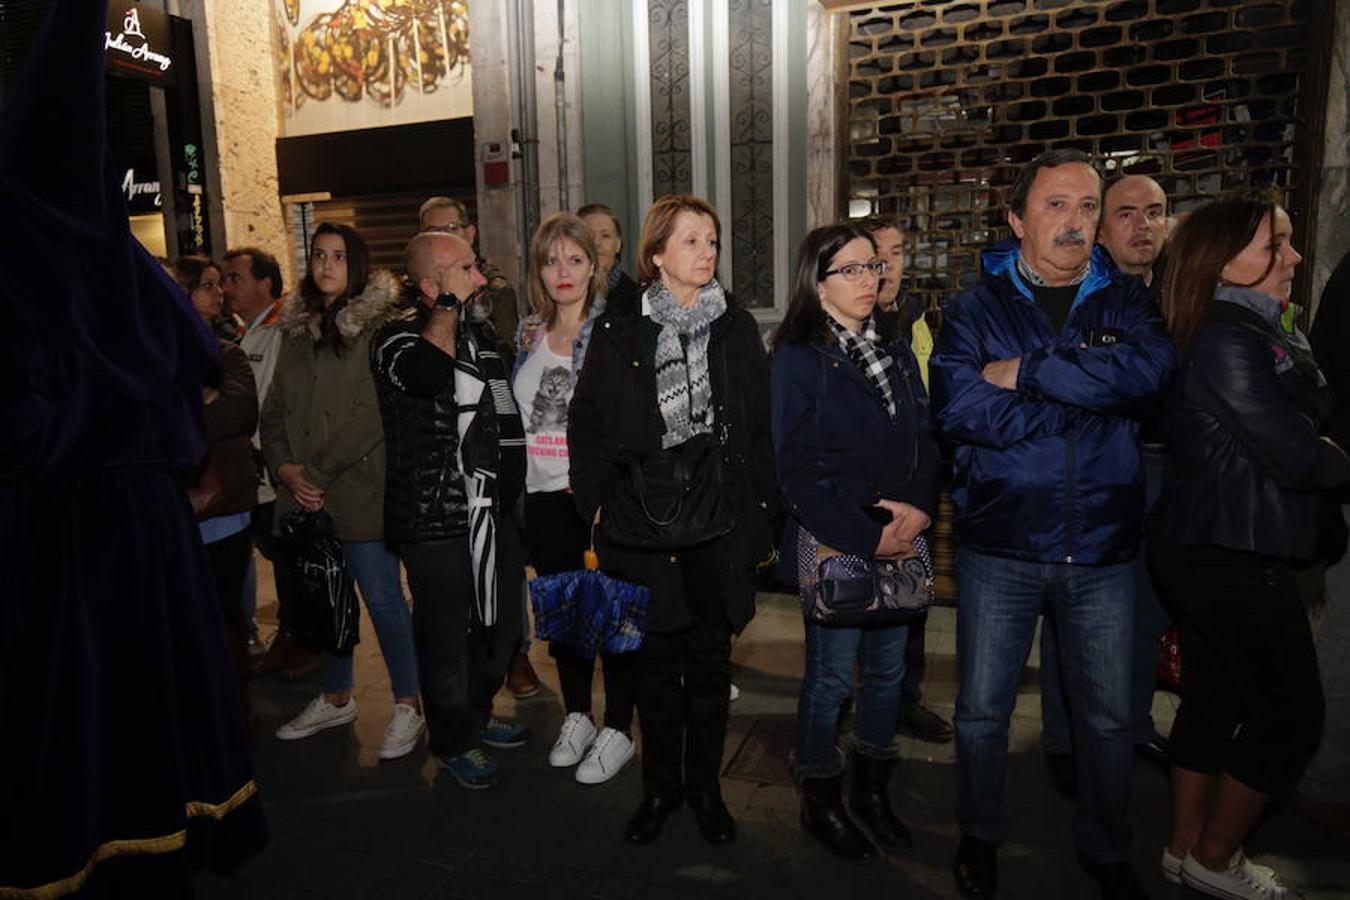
(322, 413)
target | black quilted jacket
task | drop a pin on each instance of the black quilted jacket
(424, 490)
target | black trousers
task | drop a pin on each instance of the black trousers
(460, 664)
(556, 537)
(1251, 699)
(683, 682)
(260, 527)
(229, 564)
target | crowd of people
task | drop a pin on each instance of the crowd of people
(1097, 371)
(1131, 425)
(1132, 428)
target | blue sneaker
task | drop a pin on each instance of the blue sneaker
(474, 769)
(504, 735)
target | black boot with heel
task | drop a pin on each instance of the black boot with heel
(824, 817)
(870, 803)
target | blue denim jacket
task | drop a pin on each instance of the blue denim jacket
(532, 330)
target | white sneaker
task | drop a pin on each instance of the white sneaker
(1242, 880)
(610, 753)
(402, 732)
(317, 716)
(574, 738)
(735, 693)
(1171, 867)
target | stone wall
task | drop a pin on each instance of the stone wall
(240, 119)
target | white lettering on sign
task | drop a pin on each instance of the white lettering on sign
(139, 52)
(133, 188)
(132, 24)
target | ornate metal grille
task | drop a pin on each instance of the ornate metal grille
(668, 30)
(946, 98)
(751, 92)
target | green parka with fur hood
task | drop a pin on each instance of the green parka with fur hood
(322, 413)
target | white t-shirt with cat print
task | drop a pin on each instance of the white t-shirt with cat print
(543, 388)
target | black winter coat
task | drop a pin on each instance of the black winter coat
(414, 379)
(1246, 464)
(614, 410)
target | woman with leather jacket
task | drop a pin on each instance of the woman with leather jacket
(564, 291)
(679, 366)
(1247, 461)
(858, 467)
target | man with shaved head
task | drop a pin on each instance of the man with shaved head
(1134, 224)
(455, 457)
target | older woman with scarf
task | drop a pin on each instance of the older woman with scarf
(564, 294)
(683, 365)
(859, 469)
(1248, 465)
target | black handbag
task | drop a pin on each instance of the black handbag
(856, 591)
(669, 499)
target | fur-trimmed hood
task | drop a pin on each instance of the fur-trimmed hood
(375, 305)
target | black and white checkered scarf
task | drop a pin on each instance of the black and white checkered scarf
(865, 351)
(683, 386)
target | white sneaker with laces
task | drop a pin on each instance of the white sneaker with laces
(608, 755)
(574, 738)
(317, 716)
(402, 732)
(1242, 880)
(1171, 867)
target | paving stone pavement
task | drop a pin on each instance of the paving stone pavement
(345, 825)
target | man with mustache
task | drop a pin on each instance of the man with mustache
(1133, 229)
(1038, 374)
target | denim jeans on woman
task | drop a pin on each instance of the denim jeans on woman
(1093, 610)
(376, 572)
(831, 652)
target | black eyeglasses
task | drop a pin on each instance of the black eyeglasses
(854, 271)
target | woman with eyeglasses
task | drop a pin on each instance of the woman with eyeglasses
(224, 486)
(682, 366)
(858, 467)
(323, 441)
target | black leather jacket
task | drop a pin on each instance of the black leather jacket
(1246, 463)
(424, 490)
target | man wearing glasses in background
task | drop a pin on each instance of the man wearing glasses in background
(496, 303)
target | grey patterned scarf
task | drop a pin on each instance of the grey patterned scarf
(683, 386)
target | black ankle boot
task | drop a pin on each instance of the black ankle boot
(870, 804)
(824, 817)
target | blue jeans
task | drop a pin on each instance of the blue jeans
(1150, 621)
(376, 572)
(1093, 610)
(827, 684)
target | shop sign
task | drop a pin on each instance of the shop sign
(139, 43)
(141, 196)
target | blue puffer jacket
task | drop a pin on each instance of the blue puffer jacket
(1049, 472)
